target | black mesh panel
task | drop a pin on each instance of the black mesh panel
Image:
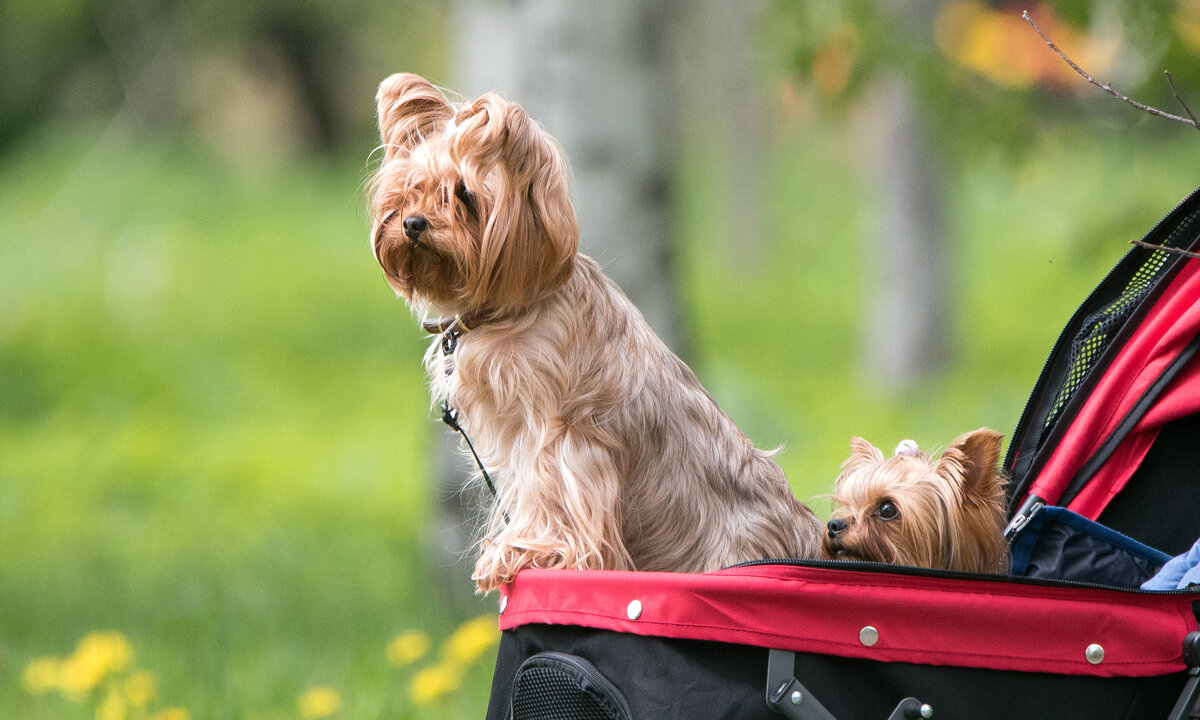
(555, 686)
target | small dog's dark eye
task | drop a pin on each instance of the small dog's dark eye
(464, 195)
(887, 511)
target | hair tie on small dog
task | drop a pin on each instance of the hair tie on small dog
(908, 448)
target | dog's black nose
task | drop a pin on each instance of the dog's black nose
(414, 225)
(835, 526)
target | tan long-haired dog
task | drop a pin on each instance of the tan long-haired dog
(605, 449)
(911, 510)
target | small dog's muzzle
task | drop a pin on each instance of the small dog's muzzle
(836, 526)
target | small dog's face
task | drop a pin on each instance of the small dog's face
(909, 510)
(470, 207)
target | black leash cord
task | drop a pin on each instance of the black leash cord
(449, 345)
(451, 419)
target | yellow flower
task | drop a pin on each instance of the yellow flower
(98, 654)
(112, 707)
(78, 675)
(319, 702)
(471, 640)
(41, 675)
(174, 713)
(432, 682)
(108, 648)
(140, 688)
(407, 647)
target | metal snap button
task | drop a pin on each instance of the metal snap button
(868, 636)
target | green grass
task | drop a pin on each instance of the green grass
(214, 431)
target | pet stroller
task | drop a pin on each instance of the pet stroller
(1103, 468)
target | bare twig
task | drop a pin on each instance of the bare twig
(1164, 248)
(1171, 82)
(1108, 88)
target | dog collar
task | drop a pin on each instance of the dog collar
(451, 330)
(459, 325)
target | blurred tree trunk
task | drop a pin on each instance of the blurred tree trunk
(907, 323)
(725, 106)
(595, 74)
(907, 333)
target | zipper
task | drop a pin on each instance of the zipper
(910, 571)
(1029, 509)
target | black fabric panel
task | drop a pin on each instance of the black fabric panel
(1160, 506)
(666, 679)
(660, 679)
(1062, 552)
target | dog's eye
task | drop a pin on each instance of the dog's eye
(465, 196)
(887, 511)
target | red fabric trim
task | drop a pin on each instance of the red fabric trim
(926, 620)
(1180, 400)
(1165, 331)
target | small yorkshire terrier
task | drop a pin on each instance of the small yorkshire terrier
(909, 510)
(606, 451)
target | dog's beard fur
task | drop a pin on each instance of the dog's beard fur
(606, 450)
(950, 513)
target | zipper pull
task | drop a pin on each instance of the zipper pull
(1029, 509)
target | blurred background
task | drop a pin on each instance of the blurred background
(222, 492)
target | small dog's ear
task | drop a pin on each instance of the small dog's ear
(484, 130)
(972, 458)
(861, 453)
(410, 108)
(528, 246)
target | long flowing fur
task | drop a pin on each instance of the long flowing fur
(948, 514)
(607, 451)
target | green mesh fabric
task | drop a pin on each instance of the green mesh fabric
(1098, 330)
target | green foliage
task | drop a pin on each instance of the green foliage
(837, 48)
(167, 64)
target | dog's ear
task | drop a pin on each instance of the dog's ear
(861, 453)
(410, 108)
(971, 460)
(528, 245)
